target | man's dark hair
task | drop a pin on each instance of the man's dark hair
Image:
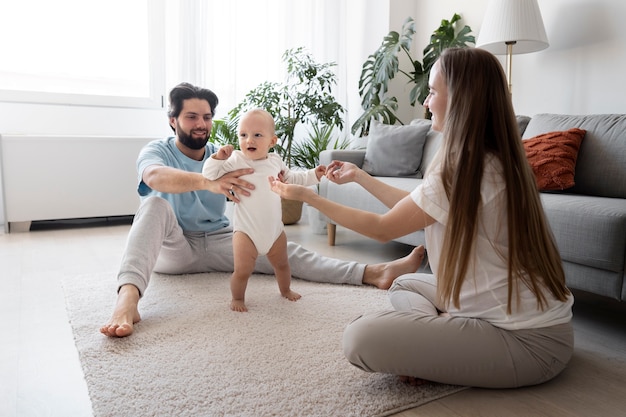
(186, 91)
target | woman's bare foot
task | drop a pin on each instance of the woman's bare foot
(413, 381)
(383, 275)
(125, 313)
(291, 295)
(238, 305)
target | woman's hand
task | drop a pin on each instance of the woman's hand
(288, 191)
(341, 172)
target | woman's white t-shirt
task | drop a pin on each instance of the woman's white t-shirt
(484, 292)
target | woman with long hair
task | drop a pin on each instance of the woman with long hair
(496, 312)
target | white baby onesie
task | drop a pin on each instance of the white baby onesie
(259, 215)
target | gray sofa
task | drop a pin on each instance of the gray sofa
(588, 220)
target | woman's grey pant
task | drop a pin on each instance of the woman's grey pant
(157, 243)
(415, 341)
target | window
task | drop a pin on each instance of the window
(82, 52)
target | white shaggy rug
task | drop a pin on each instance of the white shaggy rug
(191, 356)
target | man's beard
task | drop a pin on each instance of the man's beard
(189, 141)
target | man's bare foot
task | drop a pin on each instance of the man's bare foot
(238, 305)
(125, 313)
(383, 275)
(291, 295)
(413, 381)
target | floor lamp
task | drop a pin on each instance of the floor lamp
(512, 27)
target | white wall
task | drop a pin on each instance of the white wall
(580, 73)
(365, 28)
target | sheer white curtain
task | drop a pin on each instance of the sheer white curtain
(232, 46)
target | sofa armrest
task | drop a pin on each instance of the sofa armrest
(356, 156)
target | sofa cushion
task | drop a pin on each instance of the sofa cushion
(602, 156)
(588, 230)
(552, 157)
(395, 151)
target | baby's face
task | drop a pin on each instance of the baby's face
(256, 136)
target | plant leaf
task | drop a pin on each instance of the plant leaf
(382, 111)
(306, 153)
(382, 66)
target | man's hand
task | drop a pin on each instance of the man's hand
(173, 180)
(231, 185)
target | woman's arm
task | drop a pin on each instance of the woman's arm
(403, 218)
(341, 172)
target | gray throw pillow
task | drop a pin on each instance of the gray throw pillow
(522, 122)
(395, 150)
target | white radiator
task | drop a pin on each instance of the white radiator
(68, 177)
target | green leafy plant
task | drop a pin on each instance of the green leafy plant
(383, 65)
(306, 153)
(305, 97)
(224, 132)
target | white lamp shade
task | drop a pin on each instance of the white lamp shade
(516, 21)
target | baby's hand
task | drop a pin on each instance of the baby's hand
(320, 171)
(224, 152)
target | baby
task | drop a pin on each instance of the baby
(257, 222)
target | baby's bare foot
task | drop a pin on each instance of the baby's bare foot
(238, 305)
(125, 313)
(291, 295)
(383, 275)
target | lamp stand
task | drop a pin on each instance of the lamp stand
(509, 64)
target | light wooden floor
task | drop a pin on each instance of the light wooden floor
(40, 373)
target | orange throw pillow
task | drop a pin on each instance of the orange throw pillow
(553, 158)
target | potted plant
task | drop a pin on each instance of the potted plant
(304, 99)
(383, 65)
(306, 154)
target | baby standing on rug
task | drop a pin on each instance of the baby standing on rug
(257, 222)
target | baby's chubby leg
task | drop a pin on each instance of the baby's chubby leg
(245, 254)
(277, 256)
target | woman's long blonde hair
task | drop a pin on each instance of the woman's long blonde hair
(479, 121)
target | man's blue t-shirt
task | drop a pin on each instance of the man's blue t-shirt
(196, 211)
